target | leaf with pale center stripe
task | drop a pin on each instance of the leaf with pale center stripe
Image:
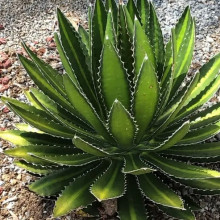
(142, 48)
(175, 137)
(111, 184)
(134, 165)
(41, 119)
(131, 205)
(65, 61)
(145, 97)
(70, 42)
(176, 213)
(88, 148)
(38, 78)
(36, 168)
(207, 186)
(158, 192)
(208, 73)
(121, 125)
(55, 182)
(22, 138)
(180, 169)
(68, 159)
(201, 134)
(183, 37)
(203, 150)
(113, 78)
(52, 75)
(83, 107)
(77, 193)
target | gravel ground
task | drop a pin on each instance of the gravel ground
(34, 21)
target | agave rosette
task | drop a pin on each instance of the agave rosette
(118, 120)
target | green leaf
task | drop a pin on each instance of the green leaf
(204, 113)
(23, 138)
(175, 137)
(50, 74)
(110, 29)
(204, 150)
(33, 101)
(68, 159)
(179, 169)
(121, 125)
(84, 108)
(98, 33)
(200, 99)
(55, 182)
(111, 184)
(64, 59)
(43, 85)
(84, 36)
(191, 203)
(145, 97)
(201, 134)
(207, 74)
(158, 192)
(65, 118)
(144, 11)
(132, 9)
(131, 205)
(26, 152)
(113, 78)
(111, 5)
(36, 169)
(125, 36)
(38, 118)
(183, 37)
(179, 214)
(156, 38)
(167, 77)
(171, 113)
(88, 148)
(134, 165)
(210, 118)
(142, 48)
(77, 193)
(211, 184)
(27, 128)
(71, 45)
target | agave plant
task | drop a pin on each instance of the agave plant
(122, 121)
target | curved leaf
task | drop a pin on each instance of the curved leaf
(36, 168)
(50, 74)
(204, 150)
(179, 169)
(65, 61)
(56, 181)
(175, 137)
(77, 193)
(83, 107)
(43, 85)
(70, 42)
(142, 48)
(113, 78)
(121, 125)
(131, 205)
(134, 165)
(176, 213)
(88, 148)
(145, 97)
(158, 192)
(23, 138)
(68, 159)
(111, 184)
